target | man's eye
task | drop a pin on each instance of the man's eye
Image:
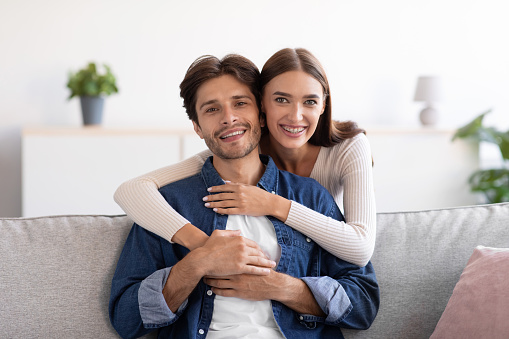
(209, 110)
(310, 102)
(241, 103)
(281, 100)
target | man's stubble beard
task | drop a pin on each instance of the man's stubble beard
(222, 153)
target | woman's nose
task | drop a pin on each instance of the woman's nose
(296, 113)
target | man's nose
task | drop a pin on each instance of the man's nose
(229, 116)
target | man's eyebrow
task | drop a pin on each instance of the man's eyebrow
(236, 97)
(308, 96)
(213, 101)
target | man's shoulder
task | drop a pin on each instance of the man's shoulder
(301, 189)
(185, 185)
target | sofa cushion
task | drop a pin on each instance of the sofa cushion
(55, 275)
(479, 305)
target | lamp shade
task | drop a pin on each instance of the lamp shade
(429, 89)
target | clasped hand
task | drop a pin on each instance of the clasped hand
(234, 198)
(228, 253)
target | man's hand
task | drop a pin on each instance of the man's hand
(286, 289)
(228, 253)
(247, 286)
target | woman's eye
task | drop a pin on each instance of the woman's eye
(281, 100)
(310, 102)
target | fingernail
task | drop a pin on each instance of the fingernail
(207, 204)
(214, 209)
(205, 198)
(209, 189)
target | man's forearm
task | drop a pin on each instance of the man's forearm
(183, 278)
(296, 295)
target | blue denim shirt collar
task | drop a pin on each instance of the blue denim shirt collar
(268, 181)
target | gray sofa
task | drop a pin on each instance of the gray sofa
(55, 272)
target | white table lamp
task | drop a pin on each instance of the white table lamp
(429, 90)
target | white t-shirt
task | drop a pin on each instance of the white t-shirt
(239, 318)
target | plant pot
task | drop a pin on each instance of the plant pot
(92, 109)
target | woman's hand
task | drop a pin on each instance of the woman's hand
(233, 198)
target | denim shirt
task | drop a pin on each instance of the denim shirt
(346, 293)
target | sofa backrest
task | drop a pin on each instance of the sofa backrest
(55, 272)
(419, 257)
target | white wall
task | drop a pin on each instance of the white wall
(373, 52)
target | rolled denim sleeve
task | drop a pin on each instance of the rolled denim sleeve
(154, 310)
(331, 297)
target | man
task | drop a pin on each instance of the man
(210, 291)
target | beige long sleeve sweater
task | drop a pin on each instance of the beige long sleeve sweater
(345, 170)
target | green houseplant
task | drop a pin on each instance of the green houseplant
(494, 182)
(92, 86)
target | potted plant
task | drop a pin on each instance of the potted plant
(92, 87)
(493, 182)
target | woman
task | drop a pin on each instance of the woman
(301, 138)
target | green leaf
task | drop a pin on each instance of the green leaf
(494, 183)
(472, 129)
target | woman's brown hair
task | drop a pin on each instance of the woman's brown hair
(328, 132)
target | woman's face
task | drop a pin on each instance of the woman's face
(293, 102)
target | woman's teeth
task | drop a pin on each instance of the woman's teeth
(293, 130)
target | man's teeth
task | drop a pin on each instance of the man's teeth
(293, 130)
(232, 134)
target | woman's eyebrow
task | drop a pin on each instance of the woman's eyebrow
(308, 96)
(282, 94)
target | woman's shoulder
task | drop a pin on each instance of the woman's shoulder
(356, 144)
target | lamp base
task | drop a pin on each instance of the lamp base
(428, 116)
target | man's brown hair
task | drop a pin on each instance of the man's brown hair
(208, 67)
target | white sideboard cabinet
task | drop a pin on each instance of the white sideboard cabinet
(421, 168)
(76, 170)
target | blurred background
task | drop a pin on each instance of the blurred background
(373, 52)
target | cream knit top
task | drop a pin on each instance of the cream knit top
(345, 170)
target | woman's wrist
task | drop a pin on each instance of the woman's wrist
(280, 207)
(190, 237)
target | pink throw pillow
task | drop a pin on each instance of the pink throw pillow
(479, 305)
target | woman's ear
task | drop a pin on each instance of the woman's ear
(324, 104)
(263, 121)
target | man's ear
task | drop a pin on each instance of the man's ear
(197, 129)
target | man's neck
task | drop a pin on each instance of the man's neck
(246, 170)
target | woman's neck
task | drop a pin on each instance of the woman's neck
(299, 161)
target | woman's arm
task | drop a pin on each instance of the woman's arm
(348, 168)
(140, 199)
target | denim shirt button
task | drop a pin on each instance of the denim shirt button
(301, 318)
(201, 331)
(308, 240)
(209, 292)
(273, 192)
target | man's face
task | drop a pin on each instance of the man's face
(228, 117)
